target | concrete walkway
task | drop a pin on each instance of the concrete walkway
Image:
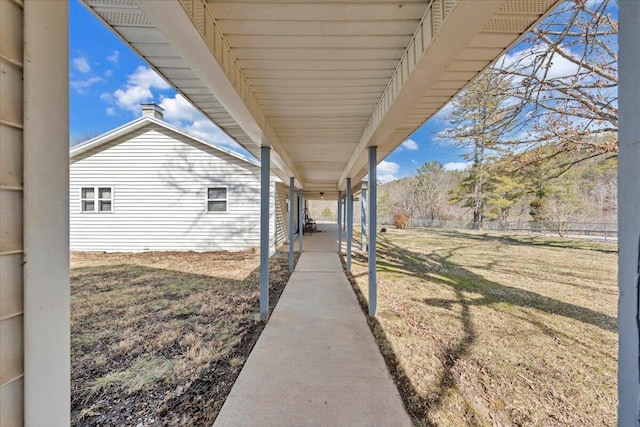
(316, 363)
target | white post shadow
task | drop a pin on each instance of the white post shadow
(629, 215)
(292, 194)
(339, 222)
(363, 217)
(265, 167)
(300, 219)
(373, 223)
(349, 220)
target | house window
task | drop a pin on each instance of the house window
(216, 199)
(96, 199)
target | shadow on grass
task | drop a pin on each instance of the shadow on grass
(439, 269)
(127, 313)
(417, 405)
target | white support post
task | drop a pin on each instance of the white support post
(349, 221)
(300, 218)
(292, 194)
(629, 215)
(363, 217)
(340, 222)
(265, 182)
(373, 223)
(46, 214)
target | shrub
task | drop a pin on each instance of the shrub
(401, 220)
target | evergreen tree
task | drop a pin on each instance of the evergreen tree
(480, 117)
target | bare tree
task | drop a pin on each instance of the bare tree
(565, 78)
(86, 136)
(433, 184)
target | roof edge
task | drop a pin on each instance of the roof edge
(140, 123)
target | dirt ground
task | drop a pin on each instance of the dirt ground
(158, 338)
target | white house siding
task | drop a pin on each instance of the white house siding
(159, 180)
(11, 225)
(282, 214)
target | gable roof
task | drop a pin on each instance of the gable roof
(139, 123)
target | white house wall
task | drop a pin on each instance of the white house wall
(11, 196)
(159, 180)
(282, 214)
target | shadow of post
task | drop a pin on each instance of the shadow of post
(416, 404)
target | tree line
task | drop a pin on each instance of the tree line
(585, 193)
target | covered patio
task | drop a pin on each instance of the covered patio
(320, 93)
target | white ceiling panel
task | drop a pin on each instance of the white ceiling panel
(320, 81)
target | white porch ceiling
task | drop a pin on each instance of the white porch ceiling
(319, 82)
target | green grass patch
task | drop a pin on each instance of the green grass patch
(140, 376)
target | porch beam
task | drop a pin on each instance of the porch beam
(292, 195)
(265, 166)
(363, 217)
(373, 223)
(228, 84)
(349, 221)
(628, 214)
(46, 214)
(340, 222)
(300, 218)
(432, 49)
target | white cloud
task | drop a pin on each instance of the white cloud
(559, 67)
(180, 113)
(81, 86)
(179, 109)
(147, 78)
(106, 97)
(108, 73)
(81, 64)
(206, 130)
(114, 57)
(410, 144)
(387, 171)
(131, 97)
(137, 90)
(457, 166)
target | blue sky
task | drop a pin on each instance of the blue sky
(108, 81)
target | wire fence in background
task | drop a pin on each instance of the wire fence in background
(599, 231)
(602, 231)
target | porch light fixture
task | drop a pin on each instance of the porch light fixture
(321, 195)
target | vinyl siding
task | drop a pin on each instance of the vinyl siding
(282, 214)
(159, 180)
(11, 206)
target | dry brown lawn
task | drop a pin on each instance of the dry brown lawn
(497, 330)
(158, 338)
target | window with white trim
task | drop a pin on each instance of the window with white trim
(216, 199)
(96, 199)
